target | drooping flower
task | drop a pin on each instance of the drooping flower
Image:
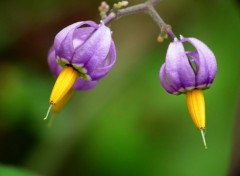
(189, 72)
(82, 54)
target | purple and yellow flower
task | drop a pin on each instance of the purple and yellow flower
(82, 54)
(189, 72)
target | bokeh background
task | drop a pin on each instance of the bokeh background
(128, 125)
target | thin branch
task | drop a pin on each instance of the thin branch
(162, 25)
(139, 8)
(132, 10)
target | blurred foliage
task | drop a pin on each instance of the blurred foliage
(11, 171)
(128, 125)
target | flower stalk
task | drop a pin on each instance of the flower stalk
(147, 7)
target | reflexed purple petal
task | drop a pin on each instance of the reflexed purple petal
(178, 70)
(81, 84)
(106, 65)
(61, 36)
(95, 49)
(52, 62)
(80, 35)
(207, 66)
(163, 80)
(63, 42)
(86, 46)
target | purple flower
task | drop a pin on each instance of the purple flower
(187, 70)
(81, 55)
(88, 48)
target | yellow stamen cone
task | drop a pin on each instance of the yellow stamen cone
(196, 108)
(57, 107)
(63, 84)
(62, 89)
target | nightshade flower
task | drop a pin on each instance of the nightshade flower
(189, 72)
(82, 54)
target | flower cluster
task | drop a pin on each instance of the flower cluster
(84, 52)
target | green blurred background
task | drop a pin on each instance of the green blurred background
(128, 125)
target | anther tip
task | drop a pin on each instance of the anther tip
(203, 137)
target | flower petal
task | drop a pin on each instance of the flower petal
(164, 81)
(52, 62)
(178, 70)
(63, 42)
(81, 84)
(206, 62)
(102, 69)
(80, 35)
(94, 50)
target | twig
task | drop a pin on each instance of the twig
(139, 8)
